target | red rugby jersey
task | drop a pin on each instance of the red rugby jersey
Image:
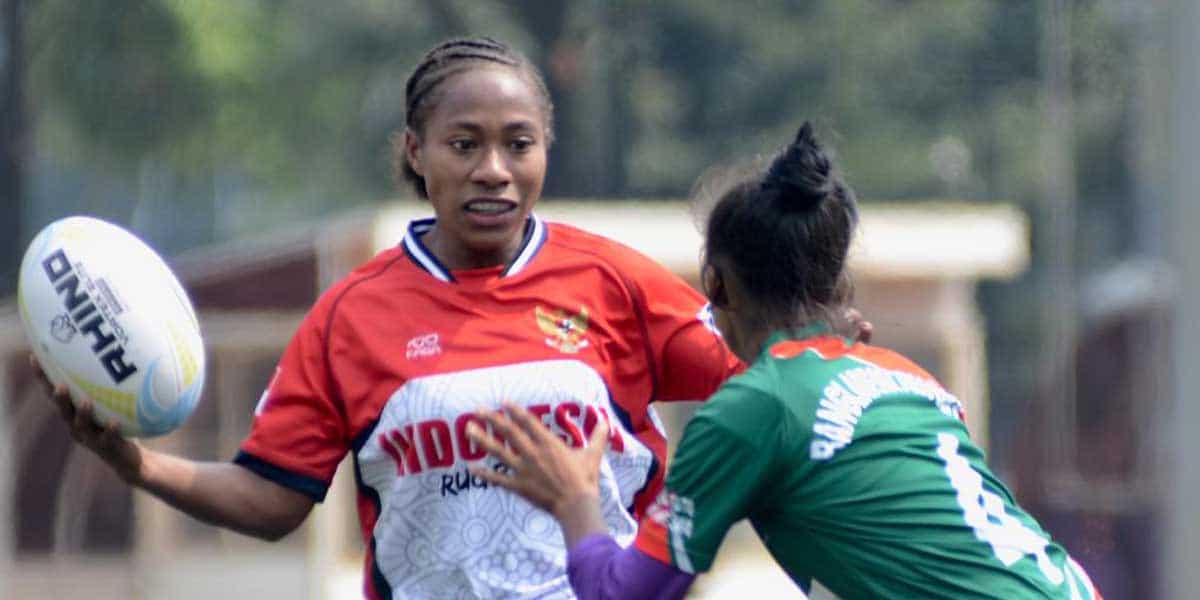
(393, 361)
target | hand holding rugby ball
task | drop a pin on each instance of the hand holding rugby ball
(107, 318)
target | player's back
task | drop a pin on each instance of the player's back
(877, 490)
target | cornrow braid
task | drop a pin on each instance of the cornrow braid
(442, 62)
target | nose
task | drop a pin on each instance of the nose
(492, 170)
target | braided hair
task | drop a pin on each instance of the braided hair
(444, 61)
(786, 233)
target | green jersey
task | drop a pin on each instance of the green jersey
(855, 468)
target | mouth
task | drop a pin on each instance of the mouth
(489, 206)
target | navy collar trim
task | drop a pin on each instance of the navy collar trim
(535, 238)
(414, 247)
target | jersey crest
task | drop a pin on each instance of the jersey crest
(564, 333)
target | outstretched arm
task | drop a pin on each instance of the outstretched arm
(222, 494)
(564, 482)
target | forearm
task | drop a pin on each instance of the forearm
(599, 569)
(580, 516)
(222, 494)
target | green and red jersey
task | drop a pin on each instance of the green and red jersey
(855, 468)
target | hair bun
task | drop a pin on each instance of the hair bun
(800, 176)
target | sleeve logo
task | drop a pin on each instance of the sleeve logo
(422, 346)
(564, 332)
(677, 514)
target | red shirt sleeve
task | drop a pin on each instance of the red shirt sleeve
(298, 435)
(690, 359)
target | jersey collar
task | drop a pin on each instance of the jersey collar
(801, 338)
(532, 241)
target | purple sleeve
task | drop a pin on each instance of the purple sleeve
(600, 569)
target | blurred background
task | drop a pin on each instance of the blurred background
(1026, 169)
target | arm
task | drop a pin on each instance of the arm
(716, 479)
(599, 568)
(222, 494)
(696, 361)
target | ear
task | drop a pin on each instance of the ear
(714, 286)
(412, 150)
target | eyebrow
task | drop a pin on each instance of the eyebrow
(472, 126)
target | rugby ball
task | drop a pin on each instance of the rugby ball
(107, 317)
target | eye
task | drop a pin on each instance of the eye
(522, 144)
(462, 144)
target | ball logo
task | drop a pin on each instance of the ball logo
(62, 329)
(87, 316)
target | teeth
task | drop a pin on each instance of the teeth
(488, 207)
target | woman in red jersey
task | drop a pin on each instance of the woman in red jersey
(482, 304)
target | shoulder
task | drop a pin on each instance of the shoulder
(570, 240)
(814, 361)
(385, 267)
(644, 280)
(890, 360)
(745, 407)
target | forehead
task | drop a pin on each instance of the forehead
(486, 94)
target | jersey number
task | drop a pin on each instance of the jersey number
(984, 511)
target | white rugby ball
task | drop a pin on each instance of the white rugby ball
(107, 317)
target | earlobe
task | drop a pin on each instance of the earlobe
(412, 151)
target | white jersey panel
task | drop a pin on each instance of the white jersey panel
(442, 533)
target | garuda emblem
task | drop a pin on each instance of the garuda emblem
(565, 332)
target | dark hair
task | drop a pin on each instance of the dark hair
(440, 64)
(786, 232)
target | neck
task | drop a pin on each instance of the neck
(454, 255)
(749, 338)
(752, 346)
(745, 338)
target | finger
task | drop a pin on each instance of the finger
(533, 427)
(495, 477)
(111, 437)
(65, 407)
(85, 419)
(865, 331)
(863, 328)
(518, 442)
(490, 444)
(598, 441)
(60, 395)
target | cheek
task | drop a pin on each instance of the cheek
(533, 173)
(439, 172)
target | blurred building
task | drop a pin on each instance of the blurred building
(73, 530)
